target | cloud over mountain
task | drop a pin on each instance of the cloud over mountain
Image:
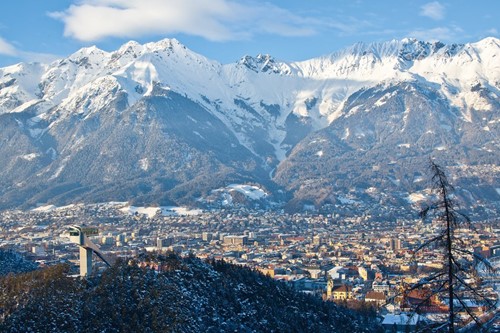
(7, 48)
(216, 20)
(434, 10)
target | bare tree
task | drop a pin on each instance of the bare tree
(458, 279)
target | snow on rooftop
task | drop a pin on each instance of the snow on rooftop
(400, 319)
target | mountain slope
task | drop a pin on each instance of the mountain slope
(188, 295)
(377, 152)
(160, 123)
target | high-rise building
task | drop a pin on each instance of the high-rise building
(206, 236)
(235, 240)
(164, 242)
(395, 244)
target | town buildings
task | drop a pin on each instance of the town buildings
(338, 258)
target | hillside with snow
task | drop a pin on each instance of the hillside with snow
(160, 124)
(168, 293)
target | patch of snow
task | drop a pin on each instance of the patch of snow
(271, 173)
(400, 319)
(381, 101)
(317, 141)
(347, 201)
(30, 157)
(65, 207)
(415, 197)
(199, 135)
(24, 106)
(47, 208)
(60, 168)
(319, 153)
(113, 204)
(144, 164)
(252, 192)
(418, 179)
(227, 199)
(179, 211)
(346, 134)
(163, 210)
(148, 211)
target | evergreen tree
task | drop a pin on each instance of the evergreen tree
(459, 279)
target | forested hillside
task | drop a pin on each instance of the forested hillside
(166, 294)
(13, 262)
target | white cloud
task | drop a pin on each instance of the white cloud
(437, 34)
(492, 31)
(217, 20)
(6, 48)
(38, 57)
(434, 10)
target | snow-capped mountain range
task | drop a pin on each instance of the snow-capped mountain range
(164, 124)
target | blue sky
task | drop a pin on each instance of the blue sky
(226, 30)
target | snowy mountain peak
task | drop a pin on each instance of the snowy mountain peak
(85, 54)
(408, 49)
(492, 41)
(178, 113)
(264, 63)
(135, 50)
(165, 44)
(131, 47)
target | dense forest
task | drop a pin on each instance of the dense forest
(166, 293)
(13, 262)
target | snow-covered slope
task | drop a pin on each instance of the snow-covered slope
(245, 117)
(327, 81)
(315, 89)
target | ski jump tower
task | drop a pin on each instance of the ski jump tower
(78, 235)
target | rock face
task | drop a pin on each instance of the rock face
(157, 123)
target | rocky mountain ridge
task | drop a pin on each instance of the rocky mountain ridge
(161, 124)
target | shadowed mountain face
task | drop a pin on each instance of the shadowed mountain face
(159, 124)
(378, 152)
(163, 148)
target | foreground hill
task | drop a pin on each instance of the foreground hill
(188, 295)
